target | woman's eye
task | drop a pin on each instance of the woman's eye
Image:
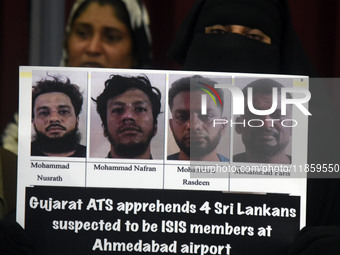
(82, 33)
(255, 37)
(111, 35)
(256, 34)
(218, 31)
(111, 38)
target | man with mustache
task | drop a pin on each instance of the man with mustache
(266, 143)
(128, 108)
(56, 105)
(194, 132)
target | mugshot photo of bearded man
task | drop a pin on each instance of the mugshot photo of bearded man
(58, 114)
(264, 138)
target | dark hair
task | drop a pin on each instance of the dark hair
(191, 83)
(264, 86)
(118, 84)
(45, 86)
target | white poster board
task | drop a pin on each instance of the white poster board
(96, 170)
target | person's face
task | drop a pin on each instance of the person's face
(54, 115)
(252, 33)
(99, 39)
(129, 119)
(194, 133)
(272, 137)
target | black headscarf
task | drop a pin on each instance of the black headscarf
(196, 50)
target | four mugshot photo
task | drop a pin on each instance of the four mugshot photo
(125, 115)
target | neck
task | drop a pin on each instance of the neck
(144, 155)
(63, 154)
(212, 156)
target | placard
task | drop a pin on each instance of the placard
(173, 143)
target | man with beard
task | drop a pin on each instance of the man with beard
(265, 143)
(128, 108)
(194, 132)
(55, 115)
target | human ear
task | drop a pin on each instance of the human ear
(171, 125)
(222, 127)
(155, 129)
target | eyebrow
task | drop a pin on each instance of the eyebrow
(138, 102)
(64, 106)
(211, 109)
(89, 26)
(59, 107)
(82, 24)
(181, 110)
(112, 29)
(43, 108)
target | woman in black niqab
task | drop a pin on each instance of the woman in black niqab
(196, 50)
